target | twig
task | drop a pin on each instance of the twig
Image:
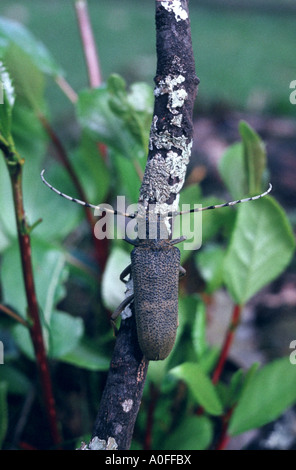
(13, 315)
(224, 438)
(15, 165)
(66, 89)
(63, 157)
(89, 45)
(90, 53)
(227, 343)
(95, 80)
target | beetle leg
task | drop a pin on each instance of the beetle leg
(182, 271)
(130, 241)
(125, 272)
(118, 311)
(177, 240)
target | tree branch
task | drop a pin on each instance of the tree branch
(175, 92)
(123, 391)
(169, 151)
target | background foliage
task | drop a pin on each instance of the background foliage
(243, 250)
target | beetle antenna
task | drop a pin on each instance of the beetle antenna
(228, 204)
(82, 203)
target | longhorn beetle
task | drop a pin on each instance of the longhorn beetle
(155, 270)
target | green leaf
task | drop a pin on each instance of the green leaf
(59, 216)
(216, 222)
(30, 141)
(3, 411)
(199, 330)
(126, 178)
(200, 386)
(84, 357)
(96, 117)
(7, 98)
(254, 157)
(93, 172)
(50, 274)
(116, 85)
(65, 332)
(12, 32)
(232, 170)
(38, 199)
(28, 80)
(22, 338)
(187, 307)
(194, 433)
(157, 371)
(209, 359)
(235, 388)
(17, 382)
(28, 134)
(269, 392)
(210, 263)
(188, 225)
(261, 247)
(141, 97)
(134, 108)
(113, 116)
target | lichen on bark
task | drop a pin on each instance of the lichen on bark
(172, 128)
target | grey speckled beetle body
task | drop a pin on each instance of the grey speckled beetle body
(155, 268)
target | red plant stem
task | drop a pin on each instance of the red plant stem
(90, 53)
(63, 156)
(95, 80)
(101, 246)
(227, 343)
(66, 89)
(13, 315)
(33, 310)
(89, 45)
(26, 446)
(224, 438)
(236, 315)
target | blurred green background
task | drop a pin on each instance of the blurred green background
(245, 59)
(245, 51)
